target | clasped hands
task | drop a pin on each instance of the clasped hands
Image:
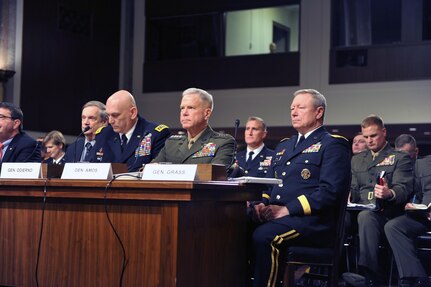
(264, 213)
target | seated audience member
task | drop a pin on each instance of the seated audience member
(407, 143)
(15, 145)
(93, 120)
(388, 194)
(130, 138)
(256, 158)
(402, 231)
(201, 144)
(315, 169)
(358, 144)
(54, 143)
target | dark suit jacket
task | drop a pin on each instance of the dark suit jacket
(259, 165)
(147, 140)
(74, 150)
(211, 147)
(22, 148)
(316, 175)
(399, 175)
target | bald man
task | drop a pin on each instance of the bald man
(130, 138)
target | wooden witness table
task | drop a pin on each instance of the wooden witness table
(174, 233)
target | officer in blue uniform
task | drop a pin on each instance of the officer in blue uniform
(315, 169)
(255, 160)
(93, 120)
(129, 138)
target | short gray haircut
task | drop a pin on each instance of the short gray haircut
(101, 106)
(257, 119)
(204, 96)
(318, 99)
(404, 139)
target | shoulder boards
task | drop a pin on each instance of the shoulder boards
(285, 139)
(339, 137)
(161, 127)
(99, 130)
(176, 137)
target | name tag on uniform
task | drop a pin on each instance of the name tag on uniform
(174, 172)
(85, 170)
(28, 170)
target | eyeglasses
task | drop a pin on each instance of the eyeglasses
(5, 117)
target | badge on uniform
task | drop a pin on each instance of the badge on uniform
(390, 160)
(313, 148)
(266, 162)
(144, 147)
(281, 152)
(207, 150)
(305, 173)
(99, 155)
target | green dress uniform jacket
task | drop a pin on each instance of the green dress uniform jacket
(398, 173)
(210, 147)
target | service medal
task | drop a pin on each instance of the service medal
(305, 173)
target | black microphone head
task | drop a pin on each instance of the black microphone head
(86, 129)
(237, 122)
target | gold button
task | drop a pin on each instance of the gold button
(284, 173)
(288, 163)
(278, 197)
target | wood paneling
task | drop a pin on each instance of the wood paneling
(168, 242)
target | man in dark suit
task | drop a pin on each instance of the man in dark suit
(402, 231)
(389, 194)
(315, 169)
(201, 144)
(93, 120)
(130, 138)
(15, 145)
(256, 158)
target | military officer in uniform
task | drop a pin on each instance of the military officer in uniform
(315, 168)
(402, 231)
(129, 138)
(93, 120)
(382, 177)
(255, 160)
(201, 144)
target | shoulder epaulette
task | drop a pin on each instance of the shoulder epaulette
(161, 127)
(99, 130)
(338, 137)
(285, 139)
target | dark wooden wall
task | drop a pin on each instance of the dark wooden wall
(70, 56)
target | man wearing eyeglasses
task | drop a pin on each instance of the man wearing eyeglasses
(15, 145)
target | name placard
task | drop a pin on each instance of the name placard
(172, 172)
(85, 170)
(28, 170)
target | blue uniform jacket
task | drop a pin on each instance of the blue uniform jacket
(315, 176)
(259, 165)
(22, 148)
(147, 140)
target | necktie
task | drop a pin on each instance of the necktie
(123, 142)
(88, 147)
(250, 157)
(191, 142)
(301, 139)
(1, 151)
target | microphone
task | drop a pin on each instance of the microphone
(37, 147)
(86, 129)
(229, 168)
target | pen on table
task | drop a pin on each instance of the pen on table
(414, 198)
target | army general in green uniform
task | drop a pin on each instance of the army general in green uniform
(201, 144)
